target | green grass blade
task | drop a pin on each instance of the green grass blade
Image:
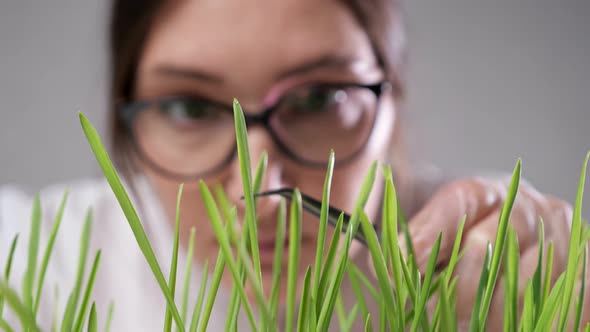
(174, 263)
(87, 293)
(511, 296)
(23, 312)
(328, 307)
(130, 213)
(340, 311)
(548, 272)
(474, 325)
(260, 170)
(549, 311)
(527, 319)
(278, 260)
(499, 245)
(359, 275)
(211, 296)
(187, 273)
(246, 172)
(352, 316)
(8, 268)
(575, 237)
(391, 242)
(537, 277)
(72, 304)
(448, 318)
(302, 320)
(294, 252)
(379, 263)
(55, 318)
(5, 326)
(323, 225)
(580, 299)
(222, 237)
(92, 320)
(455, 254)
(107, 325)
(368, 326)
(48, 250)
(329, 262)
(421, 307)
(34, 237)
(201, 296)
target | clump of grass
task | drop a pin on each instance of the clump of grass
(401, 291)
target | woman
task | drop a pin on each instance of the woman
(310, 75)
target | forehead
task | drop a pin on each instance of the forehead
(253, 37)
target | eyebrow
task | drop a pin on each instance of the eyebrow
(188, 73)
(333, 61)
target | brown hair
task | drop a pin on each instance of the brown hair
(131, 21)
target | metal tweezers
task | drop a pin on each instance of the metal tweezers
(314, 207)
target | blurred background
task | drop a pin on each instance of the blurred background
(490, 81)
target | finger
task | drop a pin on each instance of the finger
(522, 220)
(557, 219)
(473, 198)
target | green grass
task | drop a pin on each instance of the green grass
(400, 290)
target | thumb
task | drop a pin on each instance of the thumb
(473, 199)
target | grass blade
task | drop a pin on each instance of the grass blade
(537, 286)
(328, 308)
(294, 251)
(174, 263)
(499, 245)
(187, 273)
(213, 289)
(4, 326)
(222, 237)
(24, 313)
(572, 261)
(201, 296)
(278, 261)
(511, 295)
(323, 225)
(421, 307)
(72, 304)
(474, 325)
(302, 320)
(92, 320)
(329, 262)
(379, 263)
(34, 237)
(8, 268)
(246, 172)
(48, 250)
(130, 213)
(551, 305)
(107, 326)
(580, 299)
(87, 293)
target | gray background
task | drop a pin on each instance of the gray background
(490, 81)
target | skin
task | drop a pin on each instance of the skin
(247, 57)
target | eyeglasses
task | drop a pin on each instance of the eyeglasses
(187, 138)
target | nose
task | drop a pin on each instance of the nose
(276, 175)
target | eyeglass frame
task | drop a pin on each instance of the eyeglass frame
(128, 111)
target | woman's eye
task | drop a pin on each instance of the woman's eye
(188, 110)
(321, 99)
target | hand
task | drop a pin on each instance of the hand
(481, 201)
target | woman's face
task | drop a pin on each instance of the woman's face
(260, 51)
